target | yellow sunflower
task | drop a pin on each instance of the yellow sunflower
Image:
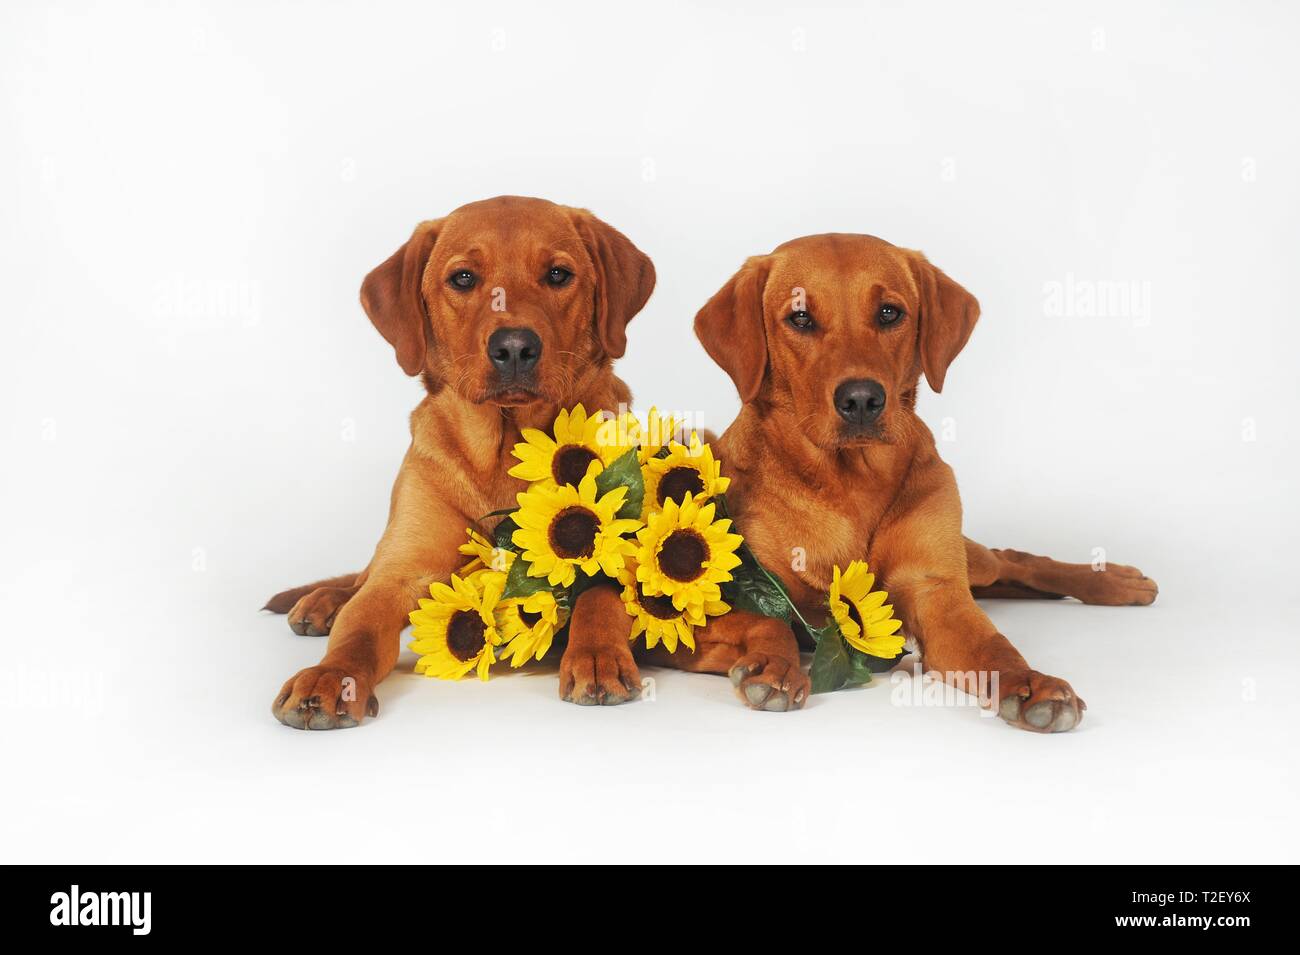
(618, 435)
(564, 528)
(656, 434)
(866, 621)
(683, 470)
(685, 554)
(486, 555)
(528, 625)
(456, 632)
(658, 619)
(579, 440)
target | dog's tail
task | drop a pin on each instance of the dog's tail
(283, 601)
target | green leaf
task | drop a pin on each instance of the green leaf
(754, 588)
(503, 534)
(519, 584)
(624, 472)
(838, 664)
(830, 668)
(860, 669)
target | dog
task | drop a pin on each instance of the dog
(509, 309)
(827, 339)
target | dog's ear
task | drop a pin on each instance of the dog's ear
(392, 298)
(948, 316)
(731, 329)
(625, 277)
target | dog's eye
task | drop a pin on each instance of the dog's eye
(889, 314)
(463, 279)
(801, 320)
(558, 277)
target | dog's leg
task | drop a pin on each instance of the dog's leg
(313, 615)
(960, 645)
(1014, 573)
(339, 692)
(759, 654)
(419, 545)
(286, 599)
(313, 608)
(597, 668)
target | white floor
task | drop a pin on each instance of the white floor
(157, 745)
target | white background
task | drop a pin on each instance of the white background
(197, 413)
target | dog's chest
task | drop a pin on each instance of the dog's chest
(803, 537)
(492, 489)
(471, 478)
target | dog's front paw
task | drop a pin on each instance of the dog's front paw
(599, 676)
(325, 698)
(768, 682)
(1038, 703)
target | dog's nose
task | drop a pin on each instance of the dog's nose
(859, 401)
(514, 350)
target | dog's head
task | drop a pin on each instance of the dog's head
(837, 330)
(509, 300)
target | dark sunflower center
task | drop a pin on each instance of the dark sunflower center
(677, 483)
(465, 635)
(855, 616)
(528, 617)
(659, 606)
(569, 464)
(573, 533)
(683, 554)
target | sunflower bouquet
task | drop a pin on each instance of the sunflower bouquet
(612, 500)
